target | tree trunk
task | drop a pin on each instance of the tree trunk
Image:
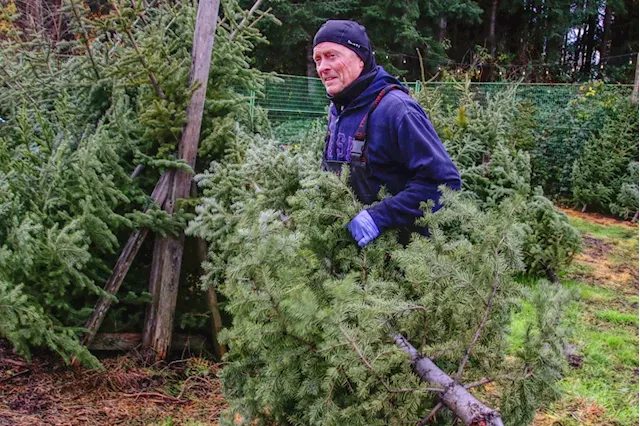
(168, 251)
(442, 33)
(454, 395)
(492, 28)
(606, 36)
(634, 94)
(590, 44)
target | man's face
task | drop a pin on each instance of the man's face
(337, 65)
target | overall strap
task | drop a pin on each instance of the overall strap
(360, 141)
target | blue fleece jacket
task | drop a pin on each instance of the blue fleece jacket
(403, 152)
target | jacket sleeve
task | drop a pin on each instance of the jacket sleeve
(428, 165)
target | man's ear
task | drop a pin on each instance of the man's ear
(361, 63)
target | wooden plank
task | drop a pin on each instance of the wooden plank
(166, 268)
(131, 341)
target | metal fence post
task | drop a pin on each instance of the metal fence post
(252, 108)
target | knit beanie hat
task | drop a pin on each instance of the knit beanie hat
(349, 34)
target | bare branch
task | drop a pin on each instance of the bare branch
(431, 415)
(244, 21)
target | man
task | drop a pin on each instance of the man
(380, 132)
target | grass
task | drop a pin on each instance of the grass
(603, 319)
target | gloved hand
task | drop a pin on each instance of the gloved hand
(363, 228)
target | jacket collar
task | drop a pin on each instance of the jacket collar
(363, 91)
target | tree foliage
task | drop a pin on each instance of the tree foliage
(81, 112)
(565, 40)
(485, 134)
(311, 312)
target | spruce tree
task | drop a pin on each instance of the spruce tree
(312, 314)
(80, 116)
(626, 202)
(598, 174)
(482, 133)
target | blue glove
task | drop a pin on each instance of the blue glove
(363, 228)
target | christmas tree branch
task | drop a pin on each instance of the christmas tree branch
(364, 267)
(262, 15)
(143, 59)
(370, 367)
(85, 38)
(282, 320)
(458, 399)
(487, 380)
(244, 21)
(25, 92)
(476, 336)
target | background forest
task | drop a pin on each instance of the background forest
(538, 40)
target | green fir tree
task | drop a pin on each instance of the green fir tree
(626, 202)
(312, 313)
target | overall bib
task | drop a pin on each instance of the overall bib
(359, 176)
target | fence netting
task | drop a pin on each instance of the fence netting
(294, 101)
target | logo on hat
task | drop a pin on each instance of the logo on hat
(353, 44)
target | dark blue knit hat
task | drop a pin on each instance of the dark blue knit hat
(349, 34)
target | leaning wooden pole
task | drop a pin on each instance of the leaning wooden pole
(167, 258)
(123, 264)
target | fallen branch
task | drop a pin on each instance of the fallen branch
(458, 399)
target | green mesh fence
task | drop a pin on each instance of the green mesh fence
(295, 101)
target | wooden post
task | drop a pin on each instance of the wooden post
(634, 95)
(167, 257)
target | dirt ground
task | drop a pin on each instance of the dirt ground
(597, 218)
(613, 264)
(127, 392)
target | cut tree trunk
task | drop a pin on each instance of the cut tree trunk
(454, 395)
(167, 258)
